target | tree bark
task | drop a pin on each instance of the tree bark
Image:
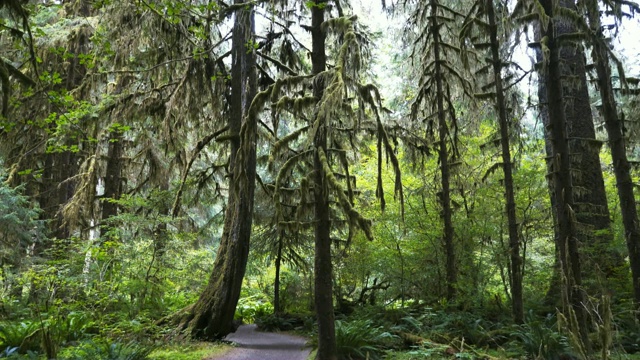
(443, 154)
(323, 271)
(276, 281)
(614, 127)
(591, 207)
(60, 168)
(517, 306)
(211, 317)
(112, 179)
(57, 189)
(562, 179)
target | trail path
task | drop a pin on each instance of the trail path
(257, 345)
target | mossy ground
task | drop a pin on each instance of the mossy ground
(190, 351)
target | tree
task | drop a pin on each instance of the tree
(16, 24)
(438, 78)
(323, 267)
(569, 255)
(19, 230)
(487, 8)
(212, 315)
(600, 54)
(591, 208)
(282, 236)
(317, 155)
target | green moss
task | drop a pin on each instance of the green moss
(192, 351)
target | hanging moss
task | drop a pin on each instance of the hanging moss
(352, 214)
(293, 136)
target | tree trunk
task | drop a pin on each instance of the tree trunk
(112, 179)
(57, 189)
(160, 239)
(276, 281)
(514, 240)
(323, 271)
(562, 180)
(621, 167)
(60, 168)
(591, 207)
(211, 316)
(443, 132)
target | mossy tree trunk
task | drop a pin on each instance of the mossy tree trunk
(510, 203)
(211, 317)
(563, 190)
(276, 282)
(57, 189)
(614, 127)
(323, 271)
(60, 168)
(443, 155)
(591, 207)
(113, 175)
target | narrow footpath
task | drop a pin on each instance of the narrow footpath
(257, 345)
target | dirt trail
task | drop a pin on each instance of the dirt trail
(257, 345)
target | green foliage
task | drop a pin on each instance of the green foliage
(189, 351)
(361, 339)
(294, 285)
(19, 224)
(13, 354)
(435, 353)
(73, 326)
(47, 333)
(475, 328)
(277, 322)
(19, 336)
(160, 82)
(627, 334)
(111, 290)
(251, 307)
(541, 340)
(106, 350)
(313, 3)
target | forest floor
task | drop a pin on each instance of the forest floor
(256, 345)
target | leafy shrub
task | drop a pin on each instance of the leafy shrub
(252, 307)
(19, 224)
(272, 322)
(72, 327)
(176, 300)
(106, 350)
(360, 339)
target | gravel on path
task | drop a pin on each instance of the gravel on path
(258, 345)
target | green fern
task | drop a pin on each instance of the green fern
(360, 339)
(20, 335)
(540, 340)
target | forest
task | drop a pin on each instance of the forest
(400, 179)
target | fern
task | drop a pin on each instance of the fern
(361, 339)
(20, 335)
